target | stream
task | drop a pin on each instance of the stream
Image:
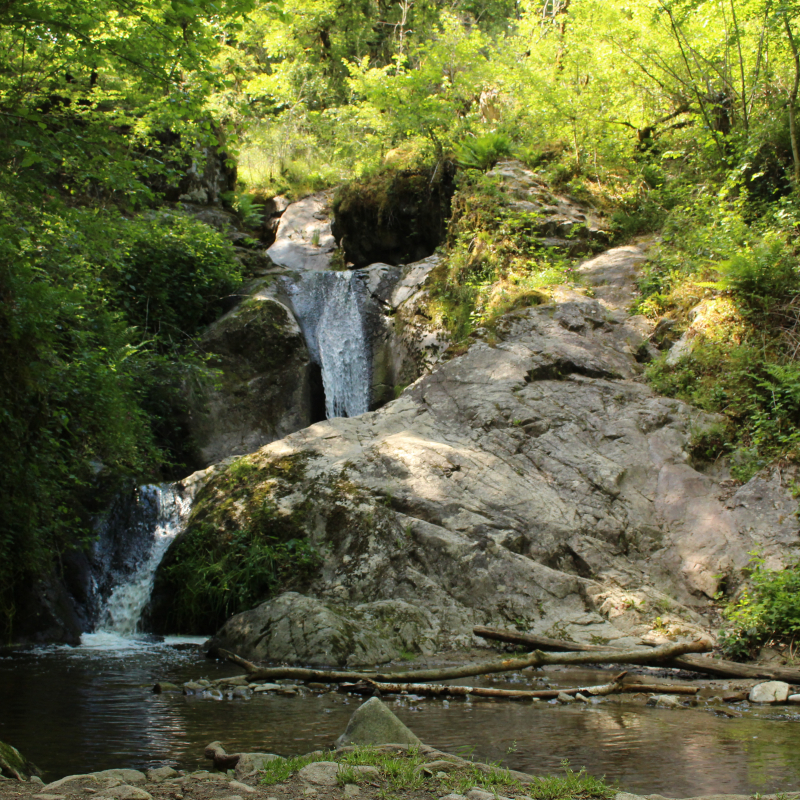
(74, 710)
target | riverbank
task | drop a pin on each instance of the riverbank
(390, 772)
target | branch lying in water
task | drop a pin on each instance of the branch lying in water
(709, 666)
(537, 658)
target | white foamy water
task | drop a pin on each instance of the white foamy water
(330, 309)
(124, 607)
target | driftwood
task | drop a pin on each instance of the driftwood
(535, 659)
(694, 663)
(439, 689)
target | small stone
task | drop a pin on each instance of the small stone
(268, 687)
(565, 698)
(166, 686)
(242, 787)
(792, 698)
(321, 773)
(161, 774)
(126, 792)
(36, 779)
(241, 693)
(581, 697)
(122, 775)
(193, 687)
(479, 794)
(310, 792)
(239, 680)
(664, 701)
(351, 790)
(770, 692)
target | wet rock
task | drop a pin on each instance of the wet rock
(166, 686)
(160, 774)
(373, 724)
(565, 698)
(193, 687)
(241, 693)
(794, 699)
(14, 765)
(770, 692)
(664, 701)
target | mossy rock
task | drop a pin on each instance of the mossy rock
(14, 765)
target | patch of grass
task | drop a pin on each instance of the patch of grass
(281, 769)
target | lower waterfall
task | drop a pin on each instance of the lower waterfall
(165, 512)
(330, 309)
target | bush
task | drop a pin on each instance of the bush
(483, 152)
(763, 275)
(768, 611)
(170, 276)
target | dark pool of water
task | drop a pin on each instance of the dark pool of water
(86, 709)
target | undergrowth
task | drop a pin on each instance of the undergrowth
(496, 260)
(767, 611)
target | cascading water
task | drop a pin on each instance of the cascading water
(330, 309)
(165, 511)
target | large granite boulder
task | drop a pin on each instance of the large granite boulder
(303, 240)
(302, 629)
(535, 482)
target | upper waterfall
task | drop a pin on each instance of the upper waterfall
(330, 309)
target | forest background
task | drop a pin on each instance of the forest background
(671, 117)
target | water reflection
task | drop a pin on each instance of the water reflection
(74, 710)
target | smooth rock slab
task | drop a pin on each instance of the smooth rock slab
(373, 723)
(161, 774)
(770, 692)
(126, 792)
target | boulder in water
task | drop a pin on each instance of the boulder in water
(14, 765)
(372, 724)
(296, 629)
(770, 692)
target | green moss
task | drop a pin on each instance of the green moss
(239, 548)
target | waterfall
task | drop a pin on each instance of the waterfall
(330, 309)
(163, 511)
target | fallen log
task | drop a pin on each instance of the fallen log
(535, 659)
(694, 663)
(439, 689)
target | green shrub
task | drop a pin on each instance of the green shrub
(170, 276)
(483, 152)
(769, 610)
(763, 275)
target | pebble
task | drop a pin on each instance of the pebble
(794, 699)
(351, 790)
(242, 787)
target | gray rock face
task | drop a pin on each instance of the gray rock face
(372, 724)
(304, 240)
(770, 692)
(535, 482)
(267, 386)
(404, 344)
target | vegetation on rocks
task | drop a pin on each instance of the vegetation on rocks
(239, 548)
